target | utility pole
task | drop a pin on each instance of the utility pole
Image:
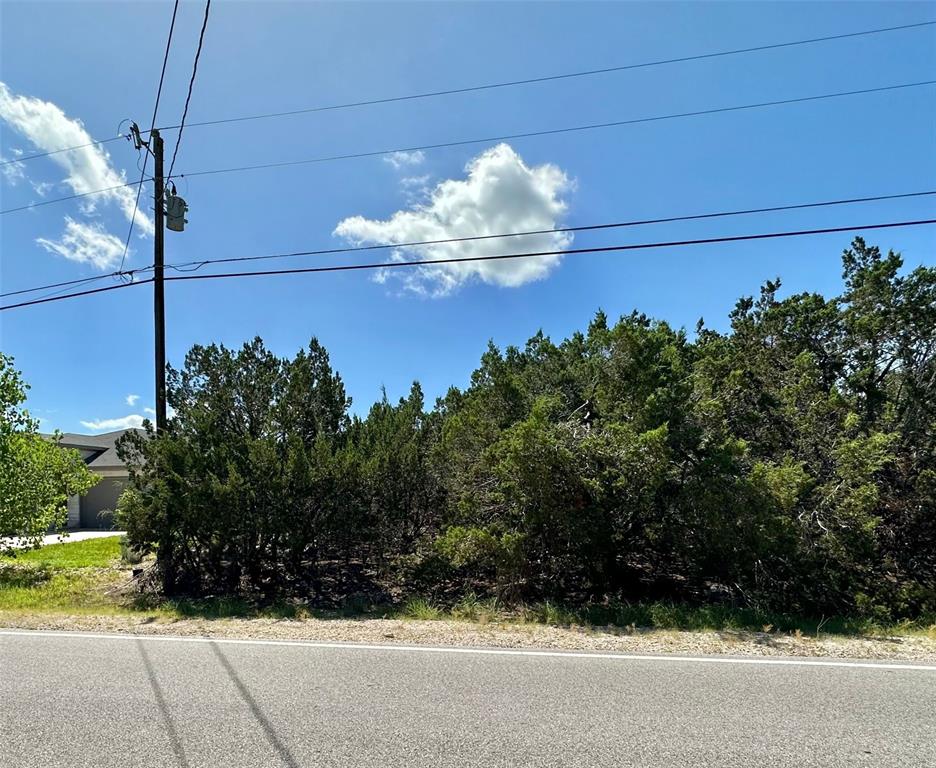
(159, 301)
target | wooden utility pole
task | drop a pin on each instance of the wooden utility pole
(159, 302)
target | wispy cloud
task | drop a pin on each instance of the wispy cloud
(13, 170)
(405, 159)
(124, 422)
(87, 243)
(500, 194)
(86, 169)
(131, 420)
(48, 128)
(416, 189)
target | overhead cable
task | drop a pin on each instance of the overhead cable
(497, 257)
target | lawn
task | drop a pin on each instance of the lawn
(90, 553)
(71, 576)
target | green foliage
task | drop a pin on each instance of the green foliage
(786, 465)
(251, 485)
(423, 610)
(470, 607)
(36, 475)
(128, 554)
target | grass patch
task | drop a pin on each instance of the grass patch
(241, 608)
(662, 616)
(71, 576)
(419, 608)
(471, 608)
(90, 553)
(719, 618)
(230, 608)
(77, 590)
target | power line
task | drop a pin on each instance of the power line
(565, 76)
(507, 84)
(557, 230)
(68, 197)
(130, 273)
(555, 131)
(80, 281)
(115, 287)
(498, 257)
(162, 76)
(188, 98)
(95, 143)
(506, 137)
(568, 252)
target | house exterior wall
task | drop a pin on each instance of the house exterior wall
(98, 504)
(74, 512)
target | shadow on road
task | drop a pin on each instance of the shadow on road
(171, 731)
(255, 710)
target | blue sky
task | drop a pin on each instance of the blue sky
(99, 63)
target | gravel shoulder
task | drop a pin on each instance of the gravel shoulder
(491, 635)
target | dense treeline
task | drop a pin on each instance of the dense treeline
(788, 464)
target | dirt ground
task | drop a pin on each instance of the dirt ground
(493, 635)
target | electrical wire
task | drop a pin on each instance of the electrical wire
(114, 287)
(188, 98)
(162, 77)
(506, 84)
(551, 78)
(507, 137)
(567, 252)
(555, 131)
(498, 257)
(80, 281)
(95, 143)
(68, 197)
(192, 266)
(130, 273)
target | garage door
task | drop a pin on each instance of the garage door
(98, 504)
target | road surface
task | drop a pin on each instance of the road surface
(74, 700)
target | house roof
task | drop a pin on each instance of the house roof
(104, 447)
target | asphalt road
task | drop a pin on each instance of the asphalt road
(110, 701)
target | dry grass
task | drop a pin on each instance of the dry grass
(489, 635)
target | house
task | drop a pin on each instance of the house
(95, 509)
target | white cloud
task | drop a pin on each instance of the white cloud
(405, 159)
(416, 189)
(86, 243)
(87, 169)
(170, 412)
(12, 170)
(131, 399)
(500, 194)
(415, 181)
(124, 422)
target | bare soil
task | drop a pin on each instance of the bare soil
(492, 635)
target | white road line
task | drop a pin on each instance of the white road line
(482, 651)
